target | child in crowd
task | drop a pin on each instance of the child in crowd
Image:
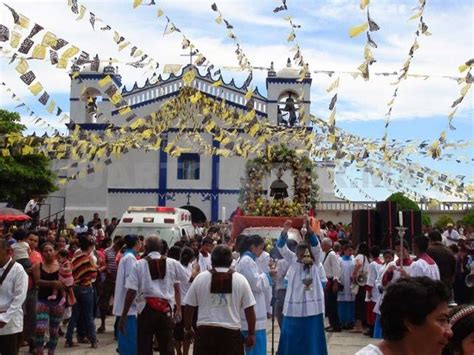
(346, 297)
(65, 276)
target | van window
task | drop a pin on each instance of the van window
(170, 235)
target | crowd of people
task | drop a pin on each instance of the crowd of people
(217, 293)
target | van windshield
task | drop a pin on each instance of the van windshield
(170, 235)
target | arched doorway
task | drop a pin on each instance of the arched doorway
(197, 216)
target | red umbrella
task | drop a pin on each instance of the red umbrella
(12, 215)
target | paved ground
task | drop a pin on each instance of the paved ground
(344, 343)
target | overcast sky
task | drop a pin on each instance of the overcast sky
(421, 107)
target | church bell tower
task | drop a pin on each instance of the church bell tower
(287, 93)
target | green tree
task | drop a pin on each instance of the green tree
(443, 220)
(405, 204)
(22, 176)
(468, 219)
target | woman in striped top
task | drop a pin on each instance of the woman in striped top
(84, 271)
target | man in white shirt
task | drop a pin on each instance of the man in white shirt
(450, 235)
(204, 258)
(13, 287)
(332, 267)
(127, 336)
(220, 294)
(154, 278)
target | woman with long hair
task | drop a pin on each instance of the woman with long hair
(48, 312)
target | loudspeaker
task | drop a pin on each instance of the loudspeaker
(412, 221)
(363, 227)
(387, 220)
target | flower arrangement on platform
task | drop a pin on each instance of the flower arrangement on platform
(305, 190)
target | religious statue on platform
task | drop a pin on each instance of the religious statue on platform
(278, 188)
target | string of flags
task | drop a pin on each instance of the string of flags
(369, 26)
(465, 84)
(242, 58)
(94, 149)
(140, 59)
(32, 117)
(422, 29)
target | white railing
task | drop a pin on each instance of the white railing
(360, 205)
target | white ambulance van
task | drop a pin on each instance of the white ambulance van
(169, 223)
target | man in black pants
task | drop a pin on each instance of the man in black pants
(332, 267)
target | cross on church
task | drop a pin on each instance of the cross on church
(191, 54)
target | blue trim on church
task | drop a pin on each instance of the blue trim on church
(124, 190)
(163, 178)
(287, 81)
(215, 182)
(92, 76)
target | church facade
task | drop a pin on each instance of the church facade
(209, 186)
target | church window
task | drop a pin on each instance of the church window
(157, 93)
(188, 166)
(148, 95)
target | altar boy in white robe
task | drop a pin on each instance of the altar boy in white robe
(303, 324)
(251, 248)
(424, 265)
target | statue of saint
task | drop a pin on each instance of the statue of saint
(278, 188)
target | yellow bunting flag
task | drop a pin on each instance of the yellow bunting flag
(357, 30)
(105, 81)
(333, 86)
(125, 110)
(160, 13)
(51, 106)
(49, 40)
(253, 131)
(363, 4)
(15, 39)
(115, 98)
(465, 89)
(70, 52)
(189, 77)
(137, 3)
(82, 12)
(39, 52)
(248, 94)
(23, 21)
(137, 123)
(217, 83)
(22, 66)
(36, 88)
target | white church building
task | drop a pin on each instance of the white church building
(209, 186)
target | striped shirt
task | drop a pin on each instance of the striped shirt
(83, 271)
(110, 255)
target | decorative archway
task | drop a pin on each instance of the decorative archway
(305, 190)
(197, 215)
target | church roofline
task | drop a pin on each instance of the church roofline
(231, 85)
(97, 76)
(167, 96)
